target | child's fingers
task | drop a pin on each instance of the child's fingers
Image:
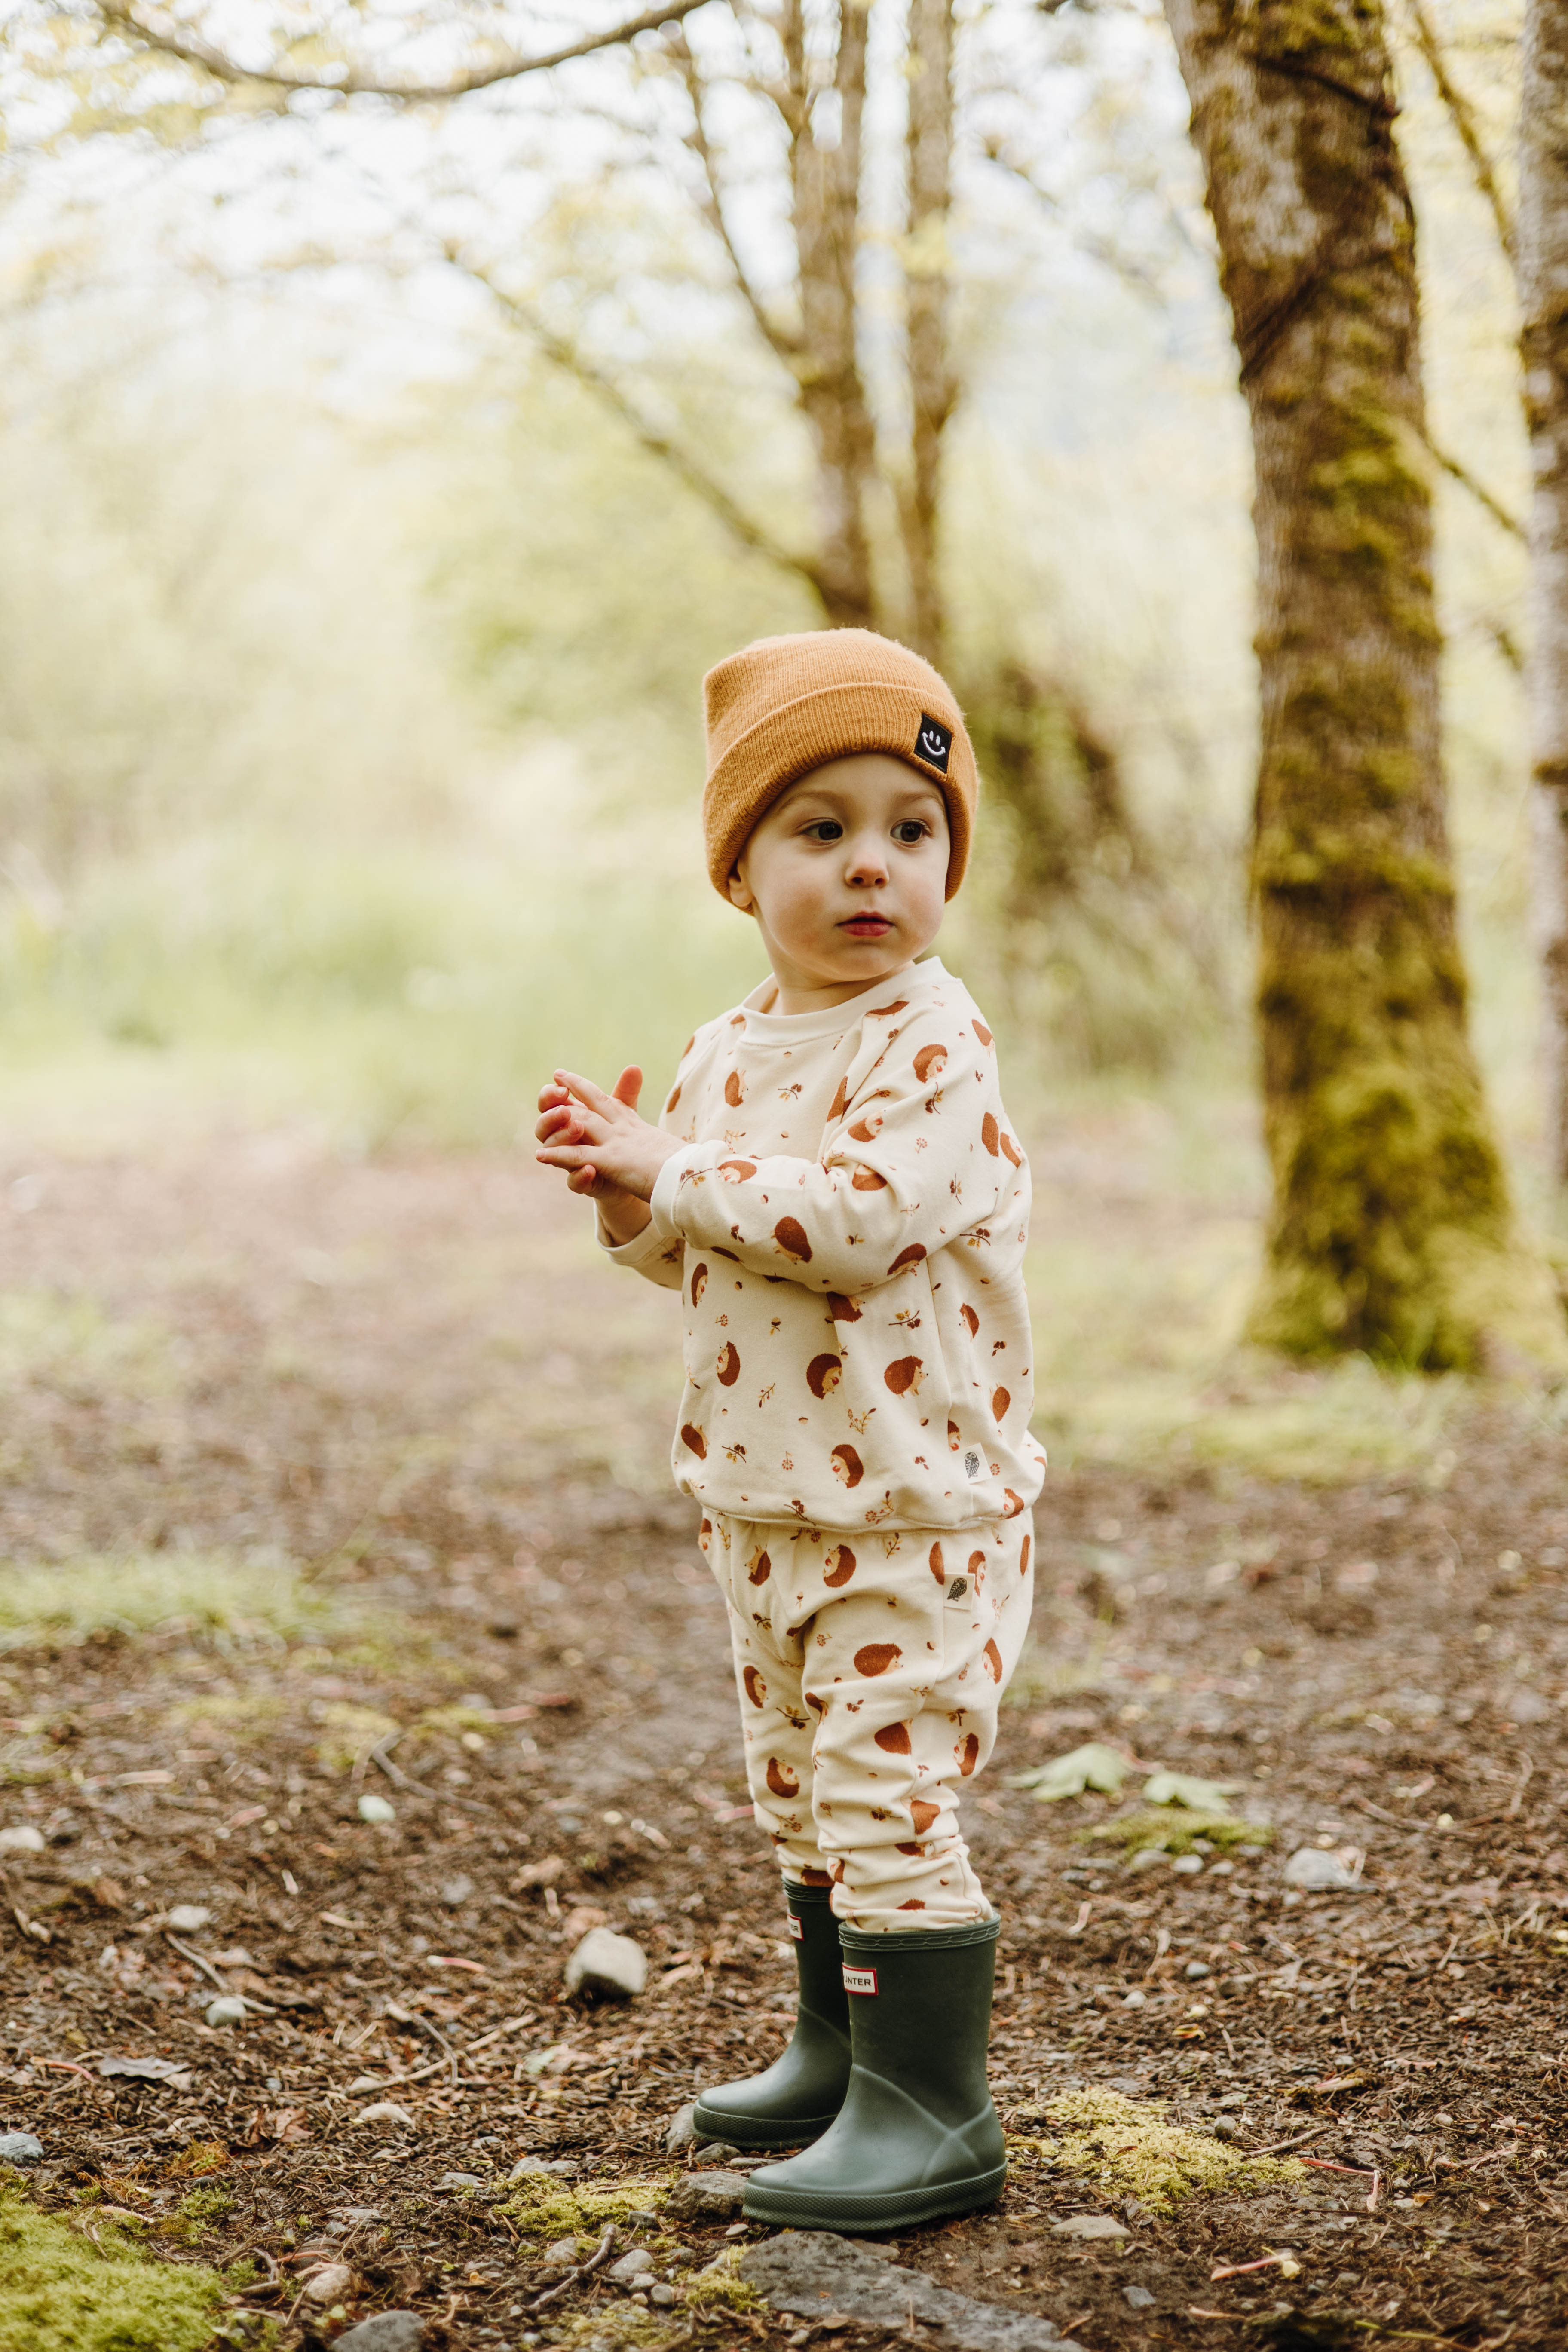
(628, 1085)
(583, 1180)
(588, 1093)
(551, 1097)
(559, 1126)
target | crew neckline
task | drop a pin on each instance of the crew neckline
(831, 1020)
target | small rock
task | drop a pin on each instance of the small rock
(607, 1963)
(706, 2196)
(1135, 2000)
(1309, 1866)
(818, 2275)
(1188, 1866)
(389, 2331)
(329, 2283)
(20, 2147)
(228, 2009)
(662, 2297)
(1139, 2298)
(455, 1892)
(455, 2181)
(21, 1840)
(632, 2270)
(1197, 1970)
(564, 2255)
(525, 2164)
(1090, 2225)
(715, 2152)
(683, 2132)
(386, 2111)
(375, 1808)
(189, 1918)
(360, 2216)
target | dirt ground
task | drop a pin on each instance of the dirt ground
(412, 1377)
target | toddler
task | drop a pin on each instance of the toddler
(834, 1189)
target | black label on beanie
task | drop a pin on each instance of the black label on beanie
(933, 743)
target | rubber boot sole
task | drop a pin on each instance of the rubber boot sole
(838, 2209)
(761, 2131)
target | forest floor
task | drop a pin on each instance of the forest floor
(322, 1479)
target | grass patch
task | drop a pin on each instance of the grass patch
(63, 1340)
(350, 1732)
(546, 2208)
(1325, 1428)
(1176, 1829)
(64, 1603)
(62, 2290)
(1126, 2147)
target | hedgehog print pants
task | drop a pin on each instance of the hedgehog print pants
(870, 1668)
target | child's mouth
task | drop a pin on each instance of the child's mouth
(866, 926)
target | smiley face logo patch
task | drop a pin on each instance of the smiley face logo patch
(933, 744)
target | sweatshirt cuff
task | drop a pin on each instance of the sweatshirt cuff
(640, 1251)
(667, 1184)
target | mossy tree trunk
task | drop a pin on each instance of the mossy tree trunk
(1542, 271)
(1390, 1229)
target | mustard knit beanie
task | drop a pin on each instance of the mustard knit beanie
(785, 705)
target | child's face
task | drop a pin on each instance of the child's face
(846, 875)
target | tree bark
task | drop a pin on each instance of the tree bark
(1542, 274)
(824, 170)
(926, 300)
(1390, 1230)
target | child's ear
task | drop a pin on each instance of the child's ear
(740, 893)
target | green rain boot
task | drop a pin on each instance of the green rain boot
(917, 2135)
(796, 2099)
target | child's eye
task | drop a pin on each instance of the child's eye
(825, 828)
(911, 830)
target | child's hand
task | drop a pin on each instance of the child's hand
(608, 1151)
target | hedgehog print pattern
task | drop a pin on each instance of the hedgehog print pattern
(870, 1678)
(845, 1221)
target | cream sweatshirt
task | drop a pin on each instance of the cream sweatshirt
(846, 1223)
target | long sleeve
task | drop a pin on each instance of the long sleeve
(913, 1160)
(657, 1256)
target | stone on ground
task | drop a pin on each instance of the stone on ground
(1309, 1866)
(683, 2132)
(389, 2331)
(20, 2147)
(706, 2196)
(813, 2271)
(1090, 2225)
(606, 1962)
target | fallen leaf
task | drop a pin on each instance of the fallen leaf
(1093, 1766)
(147, 2070)
(1185, 1788)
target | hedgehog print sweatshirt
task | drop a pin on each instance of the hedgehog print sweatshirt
(846, 1224)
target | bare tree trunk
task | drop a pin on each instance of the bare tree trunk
(1391, 1229)
(1542, 272)
(825, 165)
(926, 293)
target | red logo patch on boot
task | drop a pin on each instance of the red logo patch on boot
(796, 1930)
(860, 1979)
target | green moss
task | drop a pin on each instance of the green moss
(545, 2208)
(197, 2214)
(1175, 1828)
(62, 2290)
(350, 1732)
(719, 2288)
(1126, 2147)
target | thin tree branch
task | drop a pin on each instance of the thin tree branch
(574, 364)
(170, 41)
(1462, 115)
(1461, 473)
(784, 345)
(1131, 273)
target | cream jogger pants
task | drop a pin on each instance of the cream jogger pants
(870, 1668)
